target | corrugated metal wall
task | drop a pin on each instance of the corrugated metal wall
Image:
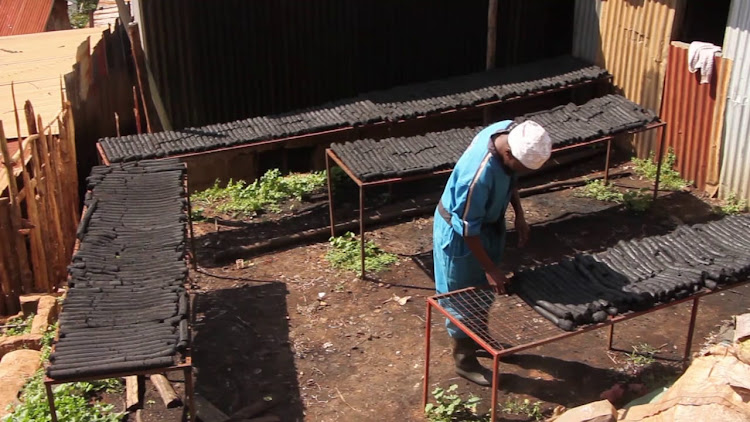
(587, 42)
(227, 60)
(735, 168)
(635, 38)
(690, 108)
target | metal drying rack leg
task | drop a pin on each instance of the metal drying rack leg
(662, 134)
(362, 229)
(330, 195)
(427, 338)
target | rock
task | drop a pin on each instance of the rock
(46, 314)
(600, 411)
(15, 369)
(24, 341)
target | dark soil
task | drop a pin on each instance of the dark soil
(331, 347)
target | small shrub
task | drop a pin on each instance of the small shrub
(669, 178)
(601, 191)
(732, 205)
(643, 355)
(451, 407)
(526, 408)
(345, 254)
(637, 201)
(18, 326)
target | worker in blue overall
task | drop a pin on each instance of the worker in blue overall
(469, 225)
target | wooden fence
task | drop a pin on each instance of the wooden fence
(38, 208)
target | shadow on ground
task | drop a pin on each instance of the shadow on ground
(241, 349)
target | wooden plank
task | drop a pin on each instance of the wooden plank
(55, 175)
(165, 390)
(132, 397)
(9, 274)
(19, 246)
(53, 208)
(51, 251)
(69, 184)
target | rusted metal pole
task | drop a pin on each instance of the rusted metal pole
(491, 33)
(611, 336)
(660, 158)
(495, 386)
(362, 229)
(691, 330)
(51, 401)
(427, 334)
(606, 162)
(189, 392)
(330, 195)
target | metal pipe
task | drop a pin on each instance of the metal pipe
(51, 401)
(606, 162)
(427, 334)
(491, 33)
(691, 329)
(611, 336)
(495, 385)
(362, 229)
(659, 160)
(330, 194)
(189, 392)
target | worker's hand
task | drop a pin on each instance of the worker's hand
(497, 280)
(522, 228)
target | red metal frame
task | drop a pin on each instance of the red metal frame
(331, 155)
(186, 366)
(432, 302)
(106, 161)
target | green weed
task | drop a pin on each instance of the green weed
(732, 205)
(637, 201)
(18, 326)
(345, 254)
(266, 193)
(643, 355)
(526, 408)
(73, 401)
(601, 191)
(451, 407)
(669, 178)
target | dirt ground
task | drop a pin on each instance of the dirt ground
(328, 346)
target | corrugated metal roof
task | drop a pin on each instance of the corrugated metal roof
(735, 167)
(24, 16)
(35, 63)
(690, 108)
(587, 42)
(106, 13)
(635, 38)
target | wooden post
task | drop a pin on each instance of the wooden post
(19, 243)
(69, 183)
(9, 274)
(165, 391)
(136, 113)
(48, 167)
(131, 392)
(52, 249)
(491, 48)
(30, 120)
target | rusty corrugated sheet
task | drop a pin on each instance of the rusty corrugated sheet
(635, 39)
(735, 168)
(228, 60)
(690, 108)
(586, 37)
(24, 16)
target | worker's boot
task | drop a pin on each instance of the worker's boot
(467, 365)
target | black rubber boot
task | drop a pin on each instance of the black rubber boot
(467, 365)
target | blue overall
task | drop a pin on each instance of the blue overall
(476, 196)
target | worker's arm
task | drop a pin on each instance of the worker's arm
(494, 275)
(522, 228)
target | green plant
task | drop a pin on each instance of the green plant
(638, 201)
(265, 193)
(345, 254)
(73, 401)
(79, 12)
(642, 355)
(600, 191)
(732, 205)
(451, 407)
(669, 177)
(18, 325)
(526, 408)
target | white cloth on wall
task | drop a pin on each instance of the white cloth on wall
(701, 56)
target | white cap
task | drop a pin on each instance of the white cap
(530, 144)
